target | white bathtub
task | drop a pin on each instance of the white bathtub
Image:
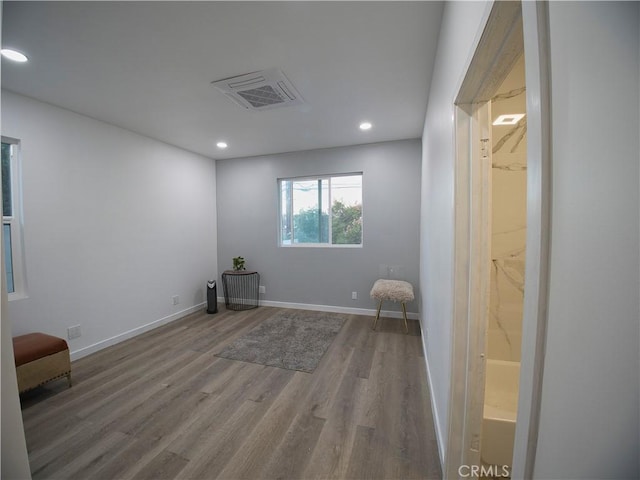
(500, 409)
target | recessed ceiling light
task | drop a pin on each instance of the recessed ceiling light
(365, 126)
(510, 119)
(13, 55)
(222, 145)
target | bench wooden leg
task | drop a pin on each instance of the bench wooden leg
(69, 379)
(377, 315)
(404, 313)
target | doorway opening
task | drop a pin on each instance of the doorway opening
(501, 201)
(507, 245)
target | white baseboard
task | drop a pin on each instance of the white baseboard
(434, 408)
(335, 309)
(83, 352)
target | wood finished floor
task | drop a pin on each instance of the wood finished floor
(163, 406)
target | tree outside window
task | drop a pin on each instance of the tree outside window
(325, 211)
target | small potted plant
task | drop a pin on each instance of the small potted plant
(238, 263)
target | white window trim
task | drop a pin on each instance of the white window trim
(320, 245)
(317, 245)
(17, 223)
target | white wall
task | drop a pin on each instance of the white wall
(589, 423)
(115, 224)
(248, 215)
(460, 30)
(14, 462)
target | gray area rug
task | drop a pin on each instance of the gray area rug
(293, 340)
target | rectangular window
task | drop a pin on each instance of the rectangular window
(11, 219)
(8, 259)
(321, 211)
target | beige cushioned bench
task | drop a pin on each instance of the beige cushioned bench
(40, 358)
(394, 290)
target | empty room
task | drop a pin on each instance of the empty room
(313, 240)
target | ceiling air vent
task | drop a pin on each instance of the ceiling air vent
(261, 90)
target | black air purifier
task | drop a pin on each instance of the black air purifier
(212, 297)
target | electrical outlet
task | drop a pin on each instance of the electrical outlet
(475, 442)
(354, 295)
(396, 272)
(262, 289)
(176, 299)
(74, 332)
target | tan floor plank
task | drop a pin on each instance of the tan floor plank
(120, 463)
(234, 325)
(75, 453)
(366, 458)
(164, 466)
(127, 463)
(96, 457)
(362, 339)
(291, 457)
(107, 397)
(56, 443)
(400, 426)
(184, 386)
(198, 437)
(417, 455)
(112, 378)
(327, 377)
(255, 452)
(222, 443)
(364, 355)
(220, 384)
(371, 393)
(350, 333)
(137, 346)
(162, 405)
(329, 459)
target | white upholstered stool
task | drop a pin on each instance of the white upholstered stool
(394, 290)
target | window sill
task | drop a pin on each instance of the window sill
(17, 296)
(318, 245)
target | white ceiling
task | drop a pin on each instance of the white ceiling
(148, 67)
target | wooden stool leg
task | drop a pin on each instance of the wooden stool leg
(404, 313)
(377, 315)
(69, 379)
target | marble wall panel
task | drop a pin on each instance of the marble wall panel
(509, 215)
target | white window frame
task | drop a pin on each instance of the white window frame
(16, 222)
(328, 244)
